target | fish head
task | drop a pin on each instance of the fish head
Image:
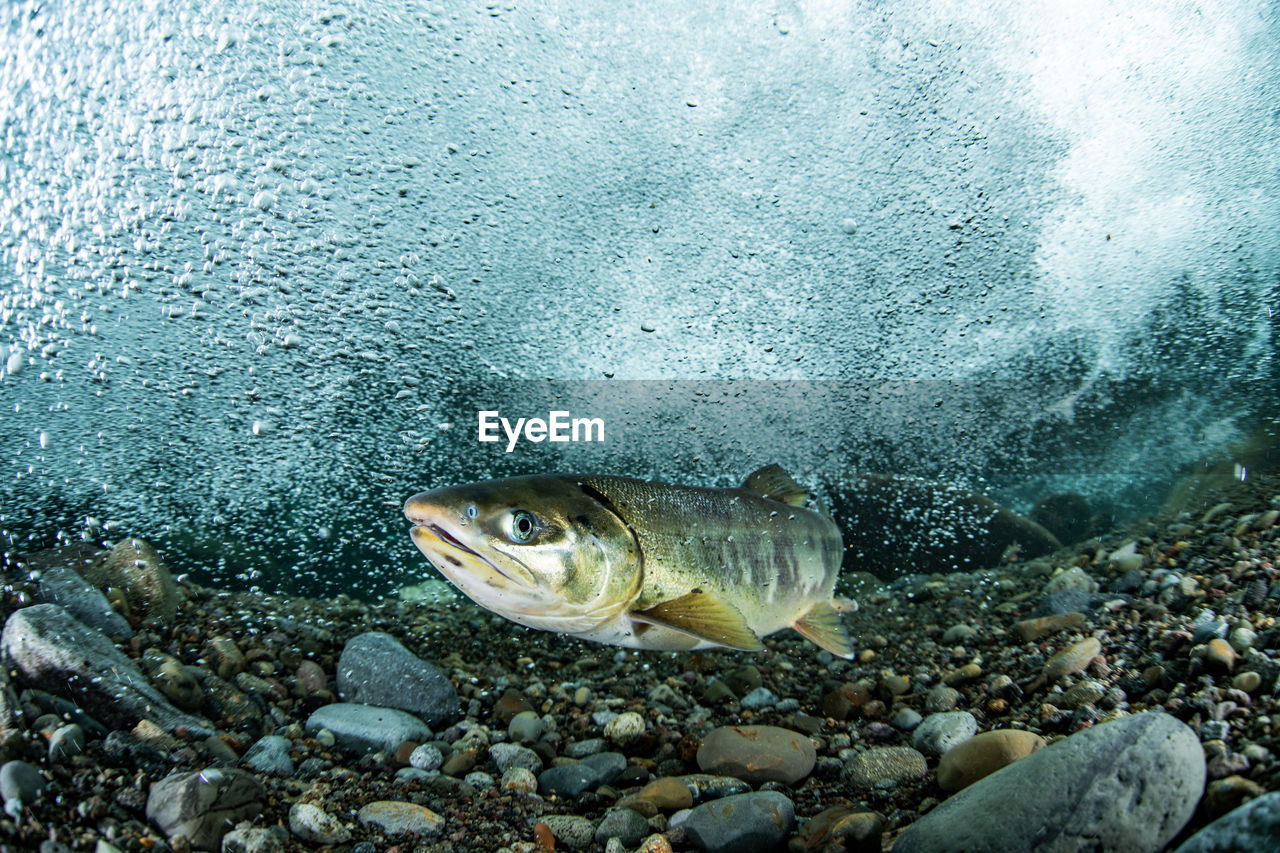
(541, 551)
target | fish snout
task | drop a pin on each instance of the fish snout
(420, 509)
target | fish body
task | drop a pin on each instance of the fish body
(640, 564)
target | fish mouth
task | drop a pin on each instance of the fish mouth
(455, 559)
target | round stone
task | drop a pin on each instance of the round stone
(757, 754)
(983, 754)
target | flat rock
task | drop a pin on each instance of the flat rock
(755, 821)
(757, 754)
(1252, 827)
(375, 669)
(204, 805)
(54, 651)
(397, 818)
(270, 755)
(365, 728)
(1127, 785)
(64, 587)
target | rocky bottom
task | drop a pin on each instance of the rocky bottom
(1117, 695)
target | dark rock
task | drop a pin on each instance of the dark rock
(20, 782)
(204, 805)
(54, 651)
(375, 669)
(569, 780)
(365, 728)
(623, 824)
(270, 755)
(607, 765)
(62, 586)
(755, 821)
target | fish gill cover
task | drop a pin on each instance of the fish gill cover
(261, 264)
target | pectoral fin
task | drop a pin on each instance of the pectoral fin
(705, 617)
(822, 625)
(774, 483)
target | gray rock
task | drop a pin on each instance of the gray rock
(399, 818)
(507, 755)
(312, 823)
(65, 743)
(1249, 828)
(56, 652)
(755, 821)
(64, 587)
(426, 757)
(707, 786)
(20, 784)
(571, 831)
(375, 669)
(624, 824)
(583, 748)
(906, 719)
(1073, 601)
(270, 755)
(365, 728)
(204, 805)
(1130, 785)
(761, 697)
(526, 727)
(568, 780)
(607, 765)
(757, 754)
(940, 732)
(895, 763)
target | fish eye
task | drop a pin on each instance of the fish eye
(471, 511)
(520, 526)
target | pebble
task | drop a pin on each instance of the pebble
(757, 754)
(20, 785)
(624, 729)
(571, 831)
(568, 780)
(1130, 784)
(250, 840)
(375, 669)
(755, 821)
(623, 824)
(1072, 659)
(1066, 601)
(707, 786)
(52, 650)
(1074, 578)
(507, 755)
(1229, 793)
(270, 755)
(940, 732)
(63, 586)
(906, 719)
(135, 568)
(1254, 826)
(761, 697)
(398, 818)
(667, 794)
(312, 823)
(66, 743)
(365, 728)
(898, 764)
(840, 828)
(1081, 693)
(959, 635)
(526, 727)
(583, 748)
(1247, 681)
(426, 757)
(983, 754)
(941, 698)
(203, 804)
(519, 780)
(1219, 655)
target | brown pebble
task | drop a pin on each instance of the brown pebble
(1223, 795)
(404, 751)
(668, 794)
(840, 703)
(840, 828)
(1072, 659)
(1247, 681)
(963, 675)
(1218, 654)
(1034, 629)
(983, 754)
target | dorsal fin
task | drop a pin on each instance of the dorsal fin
(776, 484)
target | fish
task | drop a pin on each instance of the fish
(641, 564)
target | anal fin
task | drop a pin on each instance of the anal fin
(821, 625)
(705, 617)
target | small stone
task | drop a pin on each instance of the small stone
(1253, 826)
(20, 783)
(66, 743)
(135, 568)
(375, 669)
(1229, 793)
(397, 818)
(506, 755)
(65, 587)
(941, 698)
(583, 748)
(1074, 578)
(757, 754)
(571, 831)
(270, 755)
(667, 794)
(940, 732)
(1218, 654)
(202, 805)
(1082, 693)
(625, 728)
(1247, 681)
(520, 780)
(744, 679)
(624, 824)
(426, 757)
(251, 840)
(526, 727)
(227, 659)
(983, 754)
(906, 719)
(707, 786)
(1242, 638)
(755, 821)
(896, 763)
(1031, 630)
(1072, 659)
(959, 635)
(312, 823)
(567, 780)
(840, 828)
(841, 702)
(761, 697)
(963, 675)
